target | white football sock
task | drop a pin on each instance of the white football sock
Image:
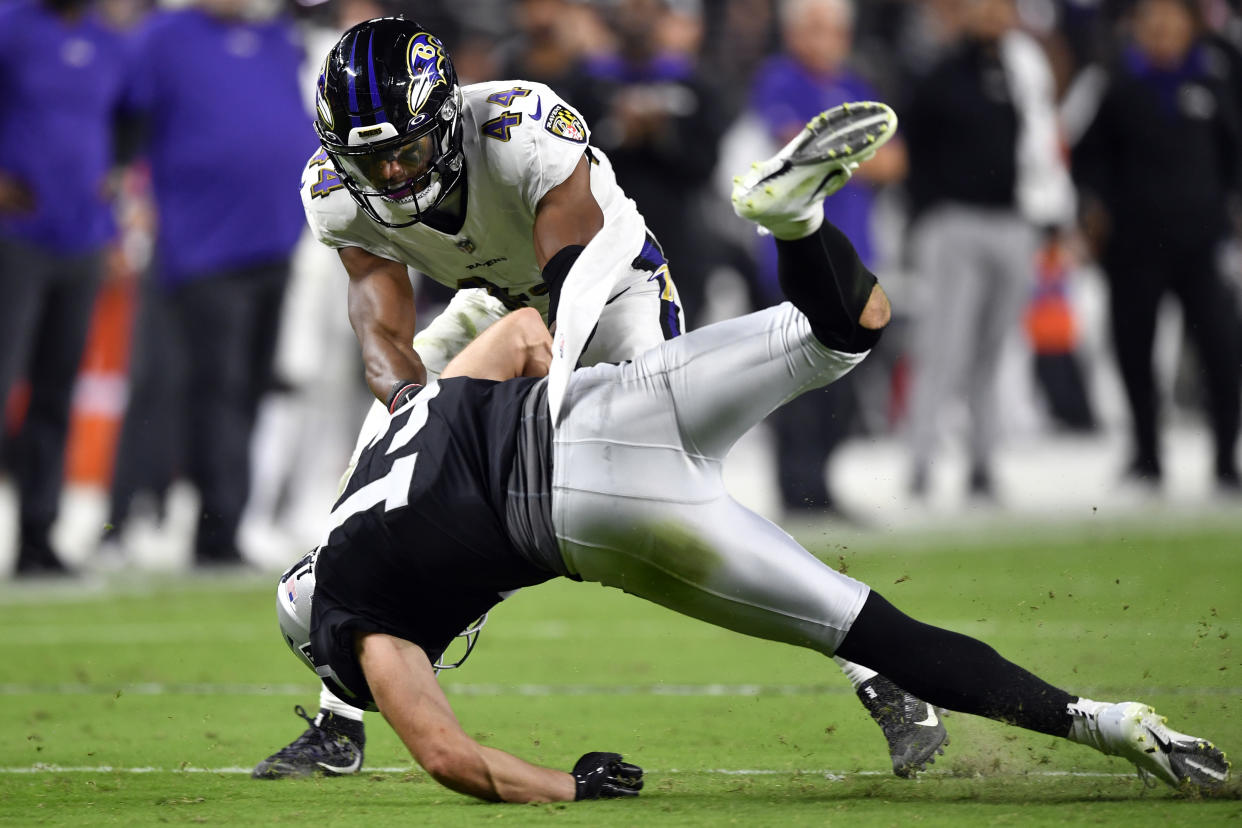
(801, 226)
(1085, 727)
(856, 673)
(329, 701)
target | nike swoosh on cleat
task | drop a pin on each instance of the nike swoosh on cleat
(1164, 744)
(538, 107)
(352, 767)
(1204, 769)
(932, 719)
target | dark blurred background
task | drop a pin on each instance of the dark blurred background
(1057, 224)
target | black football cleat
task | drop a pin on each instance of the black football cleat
(331, 745)
(914, 731)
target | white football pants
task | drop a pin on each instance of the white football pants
(638, 500)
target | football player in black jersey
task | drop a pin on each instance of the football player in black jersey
(483, 484)
(493, 189)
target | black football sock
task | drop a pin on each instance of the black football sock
(824, 278)
(952, 670)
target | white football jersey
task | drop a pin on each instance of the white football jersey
(519, 140)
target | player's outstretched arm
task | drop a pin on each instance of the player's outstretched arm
(403, 683)
(381, 311)
(519, 345)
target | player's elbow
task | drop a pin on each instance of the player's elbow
(457, 767)
(528, 321)
(534, 344)
(443, 764)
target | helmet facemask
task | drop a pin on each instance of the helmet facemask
(398, 179)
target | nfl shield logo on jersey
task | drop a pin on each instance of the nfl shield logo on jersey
(565, 123)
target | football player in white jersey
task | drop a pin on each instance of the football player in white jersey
(484, 484)
(492, 189)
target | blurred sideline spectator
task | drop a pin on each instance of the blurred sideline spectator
(738, 36)
(318, 397)
(61, 76)
(227, 137)
(1052, 329)
(657, 118)
(550, 39)
(985, 174)
(1161, 227)
(789, 89)
(660, 80)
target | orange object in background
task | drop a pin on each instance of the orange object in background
(100, 393)
(1050, 323)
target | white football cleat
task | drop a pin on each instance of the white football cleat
(785, 192)
(1136, 732)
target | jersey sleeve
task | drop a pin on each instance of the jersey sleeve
(334, 218)
(333, 653)
(543, 143)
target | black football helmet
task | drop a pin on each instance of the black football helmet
(388, 112)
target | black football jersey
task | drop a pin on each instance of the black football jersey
(420, 547)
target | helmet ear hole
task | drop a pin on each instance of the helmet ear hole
(450, 107)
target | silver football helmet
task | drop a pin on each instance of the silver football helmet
(294, 594)
(293, 606)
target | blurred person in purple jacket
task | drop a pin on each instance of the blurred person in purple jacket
(813, 74)
(226, 137)
(61, 76)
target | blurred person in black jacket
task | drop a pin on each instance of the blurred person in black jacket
(549, 41)
(1158, 166)
(986, 174)
(660, 122)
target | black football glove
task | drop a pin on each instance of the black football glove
(605, 776)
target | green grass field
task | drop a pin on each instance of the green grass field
(146, 700)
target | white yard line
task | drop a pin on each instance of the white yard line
(528, 690)
(835, 775)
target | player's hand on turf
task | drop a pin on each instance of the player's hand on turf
(605, 776)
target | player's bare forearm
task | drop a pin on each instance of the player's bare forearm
(403, 683)
(381, 311)
(519, 345)
(568, 214)
(387, 361)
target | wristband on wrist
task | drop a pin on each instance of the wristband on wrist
(581, 791)
(554, 273)
(402, 392)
